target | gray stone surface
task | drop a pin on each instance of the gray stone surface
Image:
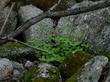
(92, 26)
(28, 64)
(41, 30)
(6, 69)
(43, 70)
(47, 71)
(18, 70)
(92, 69)
(108, 79)
(3, 3)
(12, 21)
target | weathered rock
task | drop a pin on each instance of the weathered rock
(73, 64)
(12, 21)
(6, 69)
(92, 69)
(28, 64)
(43, 73)
(93, 26)
(18, 71)
(108, 79)
(105, 75)
(3, 3)
(15, 51)
(41, 30)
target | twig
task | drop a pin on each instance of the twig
(25, 44)
(55, 5)
(79, 10)
(1, 31)
(7, 39)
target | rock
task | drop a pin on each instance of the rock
(3, 3)
(108, 79)
(28, 64)
(18, 66)
(6, 69)
(12, 21)
(105, 74)
(93, 27)
(16, 74)
(18, 70)
(73, 63)
(92, 69)
(16, 52)
(43, 73)
(41, 30)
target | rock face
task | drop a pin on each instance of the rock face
(41, 30)
(92, 69)
(92, 26)
(6, 69)
(3, 3)
(43, 73)
(12, 21)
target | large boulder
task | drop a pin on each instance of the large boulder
(12, 21)
(92, 26)
(6, 69)
(41, 30)
(92, 69)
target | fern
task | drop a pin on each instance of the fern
(57, 51)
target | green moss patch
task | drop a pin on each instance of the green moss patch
(32, 75)
(73, 64)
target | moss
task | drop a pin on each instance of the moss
(107, 54)
(52, 71)
(103, 52)
(10, 47)
(73, 78)
(12, 44)
(32, 75)
(73, 63)
(29, 74)
(14, 51)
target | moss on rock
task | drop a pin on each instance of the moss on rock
(44, 73)
(73, 64)
(14, 50)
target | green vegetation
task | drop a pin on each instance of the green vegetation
(29, 74)
(58, 47)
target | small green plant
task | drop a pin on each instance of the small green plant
(58, 49)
